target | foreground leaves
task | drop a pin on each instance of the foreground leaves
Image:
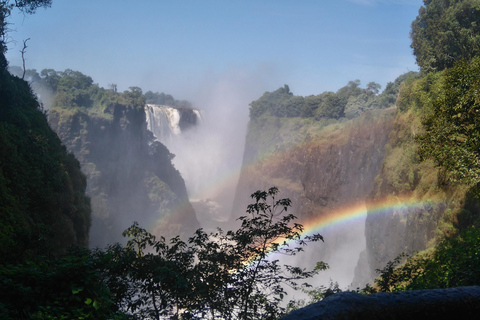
(221, 275)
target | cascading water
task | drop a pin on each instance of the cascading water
(163, 122)
(208, 149)
(198, 114)
(194, 156)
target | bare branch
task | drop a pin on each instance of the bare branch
(23, 56)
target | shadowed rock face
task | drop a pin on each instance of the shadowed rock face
(129, 178)
(452, 303)
(321, 174)
(403, 179)
(188, 118)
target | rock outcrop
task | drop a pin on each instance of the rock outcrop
(130, 177)
(452, 303)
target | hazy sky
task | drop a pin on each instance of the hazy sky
(182, 47)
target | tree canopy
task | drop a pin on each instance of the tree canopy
(444, 32)
(221, 275)
(349, 101)
(452, 125)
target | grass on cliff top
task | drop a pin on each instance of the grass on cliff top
(270, 135)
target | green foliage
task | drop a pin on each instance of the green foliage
(417, 94)
(126, 170)
(43, 207)
(222, 274)
(454, 262)
(349, 101)
(68, 287)
(352, 89)
(330, 107)
(273, 103)
(445, 32)
(356, 106)
(452, 126)
(228, 275)
(165, 99)
(315, 295)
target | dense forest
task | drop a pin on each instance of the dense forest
(47, 271)
(348, 102)
(43, 204)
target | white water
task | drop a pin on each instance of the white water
(163, 122)
(208, 156)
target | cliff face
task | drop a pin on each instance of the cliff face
(322, 169)
(371, 161)
(331, 168)
(43, 206)
(130, 178)
(420, 206)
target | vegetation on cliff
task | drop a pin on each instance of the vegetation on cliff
(441, 163)
(431, 151)
(348, 102)
(128, 173)
(43, 207)
(445, 153)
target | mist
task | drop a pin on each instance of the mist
(209, 155)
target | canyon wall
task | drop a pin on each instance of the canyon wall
(130, 176)
(324, 168)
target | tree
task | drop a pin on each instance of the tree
(452, 125)
(331, 106)
(26, 6)
(351, 89)
(276, 104)
(444, 32)
(229, 275)
(310, 106)
(373, 88)
(356, 106)
(67, 287)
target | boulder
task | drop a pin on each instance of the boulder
(461, 303)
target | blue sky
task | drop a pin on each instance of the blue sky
(188, 47)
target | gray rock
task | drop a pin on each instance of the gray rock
(453, 303)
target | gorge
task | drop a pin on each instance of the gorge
(357, 182)
(243, 205)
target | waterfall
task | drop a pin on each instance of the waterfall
(208, 152)
(199, 116)
(163, 122)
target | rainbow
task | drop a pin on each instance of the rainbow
(356, 213)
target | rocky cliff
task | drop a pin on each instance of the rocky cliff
(323, 167)
(130, 177)
(331, 167)
(420, 205)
